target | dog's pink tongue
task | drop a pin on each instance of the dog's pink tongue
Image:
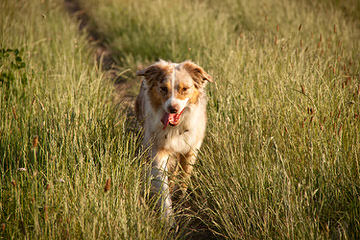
(167, 118)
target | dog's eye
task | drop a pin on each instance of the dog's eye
(163, 89)
(184, 89)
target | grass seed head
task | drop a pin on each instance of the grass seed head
(340, 129)
(3, 227)
(14, 112)
(338, 115)
(107, 185)
(302, 89)
(348, 80)
(35, 141)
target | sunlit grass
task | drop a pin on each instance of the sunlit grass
(62, 137)
(281, 155)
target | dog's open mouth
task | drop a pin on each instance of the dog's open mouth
(171, 119)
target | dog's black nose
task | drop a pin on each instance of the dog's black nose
(172, 109)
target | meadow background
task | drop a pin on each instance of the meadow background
(282, 152)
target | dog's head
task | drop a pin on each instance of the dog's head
(173, 86)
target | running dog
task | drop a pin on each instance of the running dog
(171, 107)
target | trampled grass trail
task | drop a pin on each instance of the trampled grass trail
(281, 155)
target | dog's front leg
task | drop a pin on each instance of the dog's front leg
(160, 181)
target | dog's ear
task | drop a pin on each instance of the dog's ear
(156, 71)
(197, 73)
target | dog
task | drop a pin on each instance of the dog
(171, 107)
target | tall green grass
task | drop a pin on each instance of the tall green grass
(281, 155)
(62, 137)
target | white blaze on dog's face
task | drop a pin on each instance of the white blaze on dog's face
(172, 87)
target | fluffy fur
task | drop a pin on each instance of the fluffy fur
(171, 107)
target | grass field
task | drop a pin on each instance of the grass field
(281, 158)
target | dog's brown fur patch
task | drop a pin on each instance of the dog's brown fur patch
(197, 73)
